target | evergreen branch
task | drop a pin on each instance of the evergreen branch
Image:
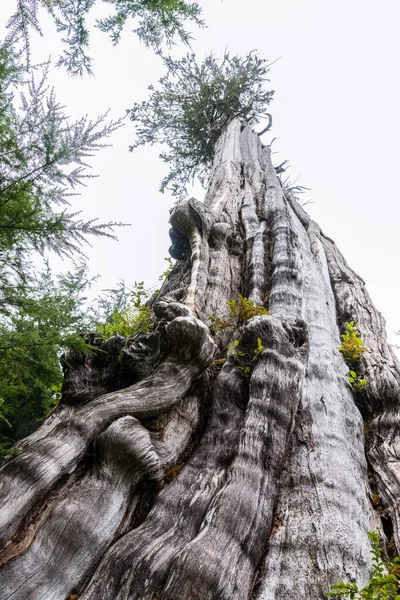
(157, 22)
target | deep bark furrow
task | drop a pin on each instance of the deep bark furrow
(383, 450)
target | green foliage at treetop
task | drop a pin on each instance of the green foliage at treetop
(192, 105)
(384, 583)
(156, 21)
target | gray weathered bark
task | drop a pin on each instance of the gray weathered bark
(162, 475)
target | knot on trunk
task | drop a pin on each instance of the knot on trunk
(287, 337)
(168, 311)
(190, 343)
(220, 234)
(126, 446)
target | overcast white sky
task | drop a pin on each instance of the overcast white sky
(335, 114)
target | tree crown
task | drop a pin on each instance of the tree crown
(192, 105)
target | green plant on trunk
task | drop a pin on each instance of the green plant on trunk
(384, 583)
(352, 349)
(352, 346)
(239, 311)
(132, 318)
(357, 382)
(244, 359)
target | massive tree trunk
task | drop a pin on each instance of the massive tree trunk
(168, 474)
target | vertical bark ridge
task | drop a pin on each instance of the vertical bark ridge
(193, 221)
(286, 269)
(353, 303)
(323, 512)
(223, 195)
(253, 174)
(224, 270)
(380, 400)
(232, 534)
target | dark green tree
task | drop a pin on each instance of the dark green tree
(156, 21)
(44, 317)
(49, 316)
(191, 107)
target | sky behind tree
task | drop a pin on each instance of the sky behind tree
(335, 117)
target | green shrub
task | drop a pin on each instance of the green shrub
(134, 318)
(352, 349)
(238, 312)
(384, 583)
(357, 382)
(352, 346)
